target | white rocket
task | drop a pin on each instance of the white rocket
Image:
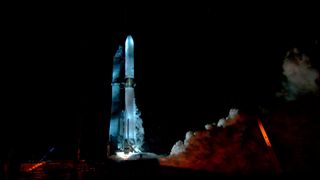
(129, 91)
(126, 131)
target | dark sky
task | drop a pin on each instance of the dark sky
(193, 63)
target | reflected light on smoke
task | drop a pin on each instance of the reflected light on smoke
(232, 146)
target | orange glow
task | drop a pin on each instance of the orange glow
(272, 154)
(218, 150)
(36, 166)
(264, 134)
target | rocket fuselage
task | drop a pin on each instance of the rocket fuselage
(129, 90)
(123, 115)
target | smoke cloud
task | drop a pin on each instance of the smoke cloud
(301, 77)
(232, 119)
(139, 130)
(234, 145)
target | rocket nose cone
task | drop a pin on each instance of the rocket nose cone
(129, 40)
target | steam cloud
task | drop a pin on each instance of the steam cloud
(231, 146)
(301, 77)
(139, 130)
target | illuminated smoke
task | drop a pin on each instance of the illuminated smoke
(139, 130)
(232, 118)
(301, 77)
(233, 147)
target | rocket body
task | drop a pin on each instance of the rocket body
(126, 131)
(129, 90)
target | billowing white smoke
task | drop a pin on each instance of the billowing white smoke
(231, 146)
(139, 130)
(232, 118)
(180, 146)
(301, 77)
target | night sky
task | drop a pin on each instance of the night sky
(192, 63)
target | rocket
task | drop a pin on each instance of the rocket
(129, 90)
(125, 129)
